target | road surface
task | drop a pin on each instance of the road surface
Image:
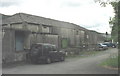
(86, 65)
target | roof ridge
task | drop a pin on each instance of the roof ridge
(44, 17)
(21, 17)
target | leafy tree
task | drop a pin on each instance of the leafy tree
(115, 21)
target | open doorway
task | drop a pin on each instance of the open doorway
(19, 40)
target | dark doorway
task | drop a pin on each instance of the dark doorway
(19, 40)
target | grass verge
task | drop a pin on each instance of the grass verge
(112, 61)
(84, 54)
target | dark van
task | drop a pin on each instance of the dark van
(109, 44)
(43, 52)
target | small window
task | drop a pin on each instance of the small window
(45, 29)
(36, 47)
(3, 33)
(45, 26)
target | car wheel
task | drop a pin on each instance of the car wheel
(113, 46)
(48, 60)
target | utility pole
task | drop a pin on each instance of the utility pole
(106, 35)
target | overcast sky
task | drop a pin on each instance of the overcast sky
(85, 13)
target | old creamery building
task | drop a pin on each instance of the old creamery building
(20, 31)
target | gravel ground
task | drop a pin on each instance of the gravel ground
(85, 65)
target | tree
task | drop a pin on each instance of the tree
(115, 21)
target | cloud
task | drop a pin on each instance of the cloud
(71, 4)
(7, 3)
(101, 28)
(85, 13)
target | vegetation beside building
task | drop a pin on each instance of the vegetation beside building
(112, 62)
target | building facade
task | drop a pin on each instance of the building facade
(21, 30)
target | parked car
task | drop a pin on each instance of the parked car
(43, 52)
(101, 46)
(109, 44)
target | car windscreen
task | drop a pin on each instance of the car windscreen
(46, 48)
(35, 46)
(54, 48)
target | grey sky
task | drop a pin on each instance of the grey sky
(8, 3)
(85, 13)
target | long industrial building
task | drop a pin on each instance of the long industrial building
(20, 31)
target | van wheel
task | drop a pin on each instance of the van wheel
(48, 60)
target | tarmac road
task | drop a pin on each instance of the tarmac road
(86, 65)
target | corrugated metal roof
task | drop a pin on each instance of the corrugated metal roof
(22, 17)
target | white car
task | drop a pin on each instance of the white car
(102, 46)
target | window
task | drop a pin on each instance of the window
(46, 48)
(82, 33)
(3, 32)
(54, 48)
(46, 29)
(45, 26)
(77, 32)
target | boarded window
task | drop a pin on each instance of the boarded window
(46, 29)
(64, 43)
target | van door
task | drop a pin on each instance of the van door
(55, 54)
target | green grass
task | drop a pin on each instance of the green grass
(112, 61)
(84, 54)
